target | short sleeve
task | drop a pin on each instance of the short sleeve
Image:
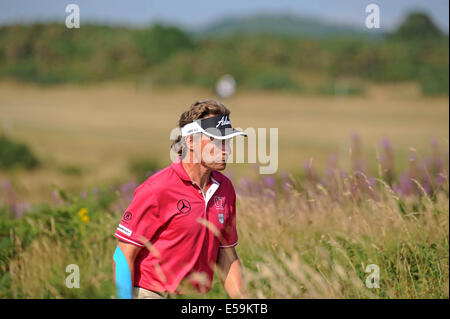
(141, 218)
(229, 233)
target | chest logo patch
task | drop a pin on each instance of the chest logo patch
(219, 201)
(183, 206)
(221, 218)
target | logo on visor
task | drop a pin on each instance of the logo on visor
(184, 206)
(223, 121)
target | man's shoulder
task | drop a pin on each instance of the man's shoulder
(156, 182)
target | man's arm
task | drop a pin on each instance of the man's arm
(230, 272)
(123, 266)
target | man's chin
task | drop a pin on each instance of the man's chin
(217, 166)
(221, 166)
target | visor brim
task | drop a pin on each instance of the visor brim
(223, 136)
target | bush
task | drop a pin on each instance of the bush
(434, 80)
(417, 25)
(272, 79)
(156, 44)
(14, 154)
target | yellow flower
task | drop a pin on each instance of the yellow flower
(83, 214)
(85, 219)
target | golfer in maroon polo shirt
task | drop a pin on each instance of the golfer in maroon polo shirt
(181, 222)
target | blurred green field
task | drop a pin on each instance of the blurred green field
(89, 135)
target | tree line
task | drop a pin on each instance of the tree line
(166, 55)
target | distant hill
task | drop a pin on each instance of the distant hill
(283, 24)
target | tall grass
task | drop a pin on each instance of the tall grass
(308, 245)
(298, 238)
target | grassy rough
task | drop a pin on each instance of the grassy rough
(296, 242)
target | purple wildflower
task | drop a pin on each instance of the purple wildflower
(269, 181)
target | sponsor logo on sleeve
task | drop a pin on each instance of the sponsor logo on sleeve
(127, 217)
(124, 230)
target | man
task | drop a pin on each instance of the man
(181, 222)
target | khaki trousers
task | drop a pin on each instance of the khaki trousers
(141, 293)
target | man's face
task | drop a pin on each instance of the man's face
(210, 152)
(215, 152)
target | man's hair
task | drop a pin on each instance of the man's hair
(197, 111)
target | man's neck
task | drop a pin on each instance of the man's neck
(199, 174)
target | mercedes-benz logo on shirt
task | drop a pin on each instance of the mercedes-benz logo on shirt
(184, 206)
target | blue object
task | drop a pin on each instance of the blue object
(123, 276)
